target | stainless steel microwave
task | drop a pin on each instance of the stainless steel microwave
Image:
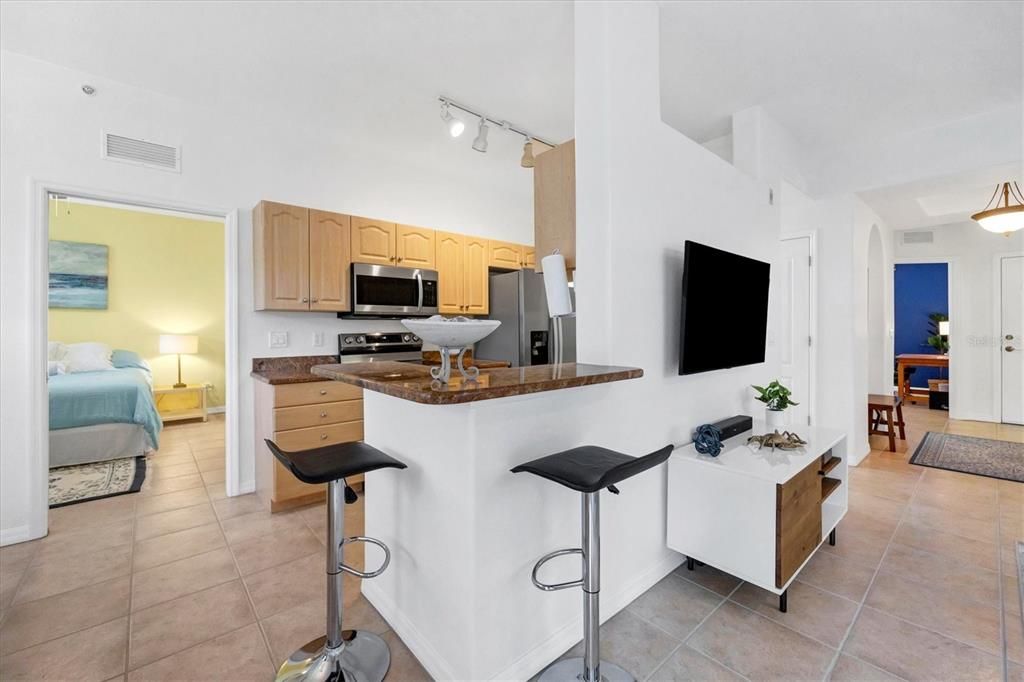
(388, 291)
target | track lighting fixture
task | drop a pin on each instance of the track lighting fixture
(456, 127)
(480, 143)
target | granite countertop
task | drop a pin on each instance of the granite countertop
(295, 370)
(413, 382)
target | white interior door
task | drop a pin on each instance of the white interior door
(792, 283)
(1011, 343)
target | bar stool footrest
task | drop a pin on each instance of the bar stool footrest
(548, 557)
(365, 574)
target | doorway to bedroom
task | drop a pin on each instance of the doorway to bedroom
(136, 358)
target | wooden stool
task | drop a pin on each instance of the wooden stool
(885, 405)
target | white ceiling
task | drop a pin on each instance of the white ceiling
(360, 69)
(833, 73)
(938, 201)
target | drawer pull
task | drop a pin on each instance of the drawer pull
(323, 414)
(323, 436)
(323, 391)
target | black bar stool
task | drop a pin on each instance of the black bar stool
(588, 469)
(341, 655)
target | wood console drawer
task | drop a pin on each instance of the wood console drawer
(302, 416)
(318, 436)
(288, 395)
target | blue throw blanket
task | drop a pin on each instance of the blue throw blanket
(119, 396)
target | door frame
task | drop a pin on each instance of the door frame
(952, 301)
(997, 329)
(812, 318)
(38, 286)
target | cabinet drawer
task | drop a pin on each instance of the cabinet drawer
(288, 395)
(318, 436)
(302, 416)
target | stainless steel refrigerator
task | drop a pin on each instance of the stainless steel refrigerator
(525, 335)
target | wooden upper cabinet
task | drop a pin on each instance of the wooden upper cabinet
(529, 257)
(414, 247)
(554, 202)
(281, 256)
(449, 258)
(504, 255)
(476, 278)
(373, 241)
(330, 244)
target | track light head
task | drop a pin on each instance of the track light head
(455, 126)
(527, 160)
(480, 143)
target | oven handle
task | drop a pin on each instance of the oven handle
(419, 281)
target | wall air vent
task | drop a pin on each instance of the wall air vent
(918, 236)
(141, 152)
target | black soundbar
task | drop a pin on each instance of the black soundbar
(734, 426)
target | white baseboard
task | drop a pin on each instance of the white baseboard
(535, 659)
(220, 409)
(246, 487)
(857, 459)
(12, 536)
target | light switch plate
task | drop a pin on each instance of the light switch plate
(278, 339)
(318, 338)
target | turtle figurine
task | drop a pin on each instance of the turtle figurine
(783, 441)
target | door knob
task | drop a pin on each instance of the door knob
(1009, 349)
(1009, 337)
(305, 300)
(323, 436)
(323, 414)
(323, 391)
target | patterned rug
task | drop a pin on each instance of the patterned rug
(84, 482)
(981, 456)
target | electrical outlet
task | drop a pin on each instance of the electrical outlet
(278, 339)
(318, 338)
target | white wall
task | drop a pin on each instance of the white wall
(51, 131)
(974, 322)
(640, 196)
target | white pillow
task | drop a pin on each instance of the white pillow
(55, 367)
(87, 357)
(55, 350)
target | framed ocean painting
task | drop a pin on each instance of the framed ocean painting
(78, 275)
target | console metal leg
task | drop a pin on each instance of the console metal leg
(832, 537)
(340, 654)
(783, 601)
(689, 563)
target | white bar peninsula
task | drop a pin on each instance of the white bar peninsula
(464, 532)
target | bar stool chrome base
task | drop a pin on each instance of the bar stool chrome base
(361, 656)
(569, 669)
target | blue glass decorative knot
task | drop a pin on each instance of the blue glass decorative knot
(707, 439)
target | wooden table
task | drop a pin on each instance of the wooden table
(905, 360)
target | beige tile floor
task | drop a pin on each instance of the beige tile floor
(180, 582)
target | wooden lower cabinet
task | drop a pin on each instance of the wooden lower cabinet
(797, 521)
(301, 417)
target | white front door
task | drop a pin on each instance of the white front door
(792, 284)
(1011, 341)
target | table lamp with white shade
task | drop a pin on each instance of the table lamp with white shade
(178, 344)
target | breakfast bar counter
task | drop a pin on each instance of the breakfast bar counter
(464, 531)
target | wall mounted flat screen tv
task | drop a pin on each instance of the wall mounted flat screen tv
(724, 310)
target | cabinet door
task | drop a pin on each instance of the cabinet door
(504, 255)
(797, 521)
(373, 241)
(330, 243)
(529, 257)
(450, 255)
(475, 287)
(554, 202)
(281, 256)
(414, 247)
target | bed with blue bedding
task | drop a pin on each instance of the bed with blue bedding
(102, 415)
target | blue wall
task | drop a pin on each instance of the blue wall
(919, 289)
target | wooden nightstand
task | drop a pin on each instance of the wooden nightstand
(170, 401)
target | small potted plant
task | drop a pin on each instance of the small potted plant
(776, 398)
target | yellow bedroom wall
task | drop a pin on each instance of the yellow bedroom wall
(165, 276)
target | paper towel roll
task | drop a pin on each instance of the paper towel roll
(556, 285)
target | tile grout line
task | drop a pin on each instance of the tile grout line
(871, 583)
(1003, 642)
(131, 591)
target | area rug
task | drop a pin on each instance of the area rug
(84, 482)
(969, 455)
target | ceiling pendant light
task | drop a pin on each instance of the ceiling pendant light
(1006, 218)
(527, 160)
(455, 126)
(480, 143)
